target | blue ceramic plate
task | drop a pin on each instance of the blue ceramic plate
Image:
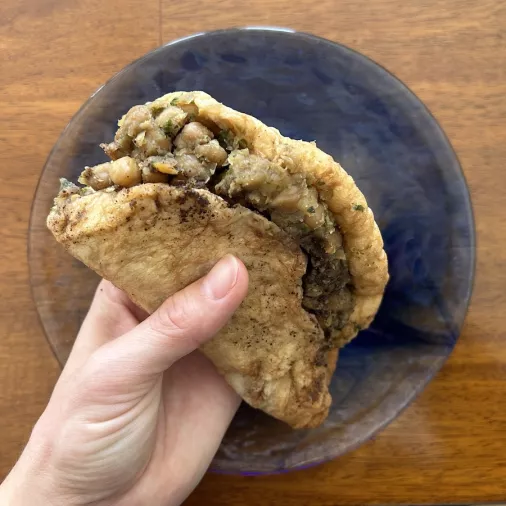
(311, 89)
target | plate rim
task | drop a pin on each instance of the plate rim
(289, 32)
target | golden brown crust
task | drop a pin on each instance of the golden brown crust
(152, 240)
(363, 244)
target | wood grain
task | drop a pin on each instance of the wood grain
(53, 55)
(449, 445)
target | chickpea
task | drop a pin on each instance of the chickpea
(192, 135)
(132, 121)
(171, 120)
(139, 134)
(212, 152)
(154, 142)
(97, 177)
(313, 215)
(125, 172)
(191, 168)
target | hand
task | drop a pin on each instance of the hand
(137, 414)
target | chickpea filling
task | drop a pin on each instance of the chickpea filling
(165, 143)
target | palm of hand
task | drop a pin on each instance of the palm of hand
(125, 437)
(194, 406)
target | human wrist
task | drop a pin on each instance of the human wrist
(19, 489)
(30, 481)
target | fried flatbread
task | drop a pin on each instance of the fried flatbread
(226, 183)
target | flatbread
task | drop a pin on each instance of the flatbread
(153, 239)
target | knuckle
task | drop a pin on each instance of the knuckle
(175, 315)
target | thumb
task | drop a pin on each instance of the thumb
(181, 324)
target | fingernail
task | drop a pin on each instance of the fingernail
(222, 278)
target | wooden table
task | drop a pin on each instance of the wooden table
(450, 445)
